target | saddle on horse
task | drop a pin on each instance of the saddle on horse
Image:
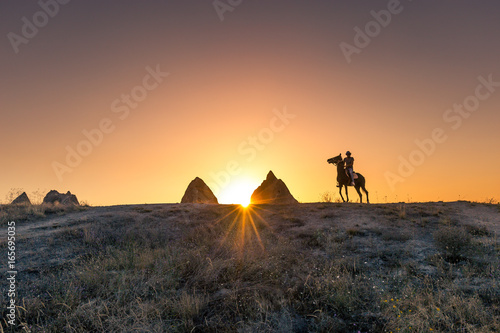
(354, 174)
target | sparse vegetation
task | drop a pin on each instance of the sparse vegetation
(477, 230)
(35, 212)
(491, 201)
(354, 232)
(35, 197)
(402, 211)
(13, 193)
(395, 235)
(192, 268)
(326, 197)
(454, 242)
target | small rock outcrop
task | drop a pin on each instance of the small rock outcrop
(54, 197)
(272, 191)
(21, 200)
(199, 192)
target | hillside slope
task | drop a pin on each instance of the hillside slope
(320, 267)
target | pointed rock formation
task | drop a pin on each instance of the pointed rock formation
(199, 192)
(22, 200)
(54, 197)
(272, 191)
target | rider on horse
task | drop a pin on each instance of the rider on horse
(349, 164)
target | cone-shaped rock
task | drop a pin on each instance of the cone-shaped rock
(272, 191)
(199, 192)
(67, 198)
(22, 200)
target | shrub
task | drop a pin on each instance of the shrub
(475, 230)
(326, 197)
(453, 242)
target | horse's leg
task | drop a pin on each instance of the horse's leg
(364, 189)
(362, 185)
(340, 191)
(360, 195)
(346, 193)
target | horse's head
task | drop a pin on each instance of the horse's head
(335, 160)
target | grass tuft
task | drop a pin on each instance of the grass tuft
(454, 242)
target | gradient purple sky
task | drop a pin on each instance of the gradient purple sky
(226, 78)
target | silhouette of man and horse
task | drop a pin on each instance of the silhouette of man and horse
(344, 174)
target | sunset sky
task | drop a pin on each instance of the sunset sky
(128, 101)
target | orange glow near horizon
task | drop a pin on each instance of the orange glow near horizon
(238, 191)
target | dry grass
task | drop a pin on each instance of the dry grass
(454, 242)
(305, 268)
(34, 212)
(326, 197)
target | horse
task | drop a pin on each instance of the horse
(344, 180)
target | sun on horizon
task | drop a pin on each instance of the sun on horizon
(238, 192)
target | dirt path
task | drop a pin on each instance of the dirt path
(48, 225)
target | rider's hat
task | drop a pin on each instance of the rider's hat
(348, 153)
